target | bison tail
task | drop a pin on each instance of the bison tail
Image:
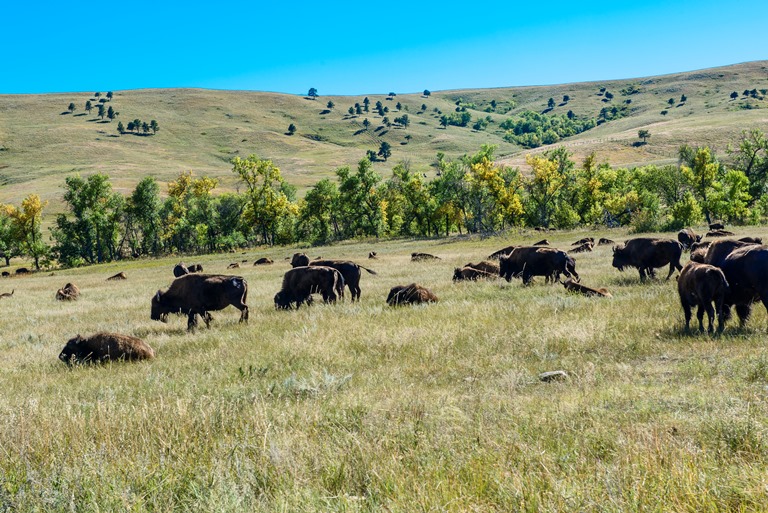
(369, 270)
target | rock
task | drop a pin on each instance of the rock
(557, 375)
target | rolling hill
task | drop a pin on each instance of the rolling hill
(41, 142)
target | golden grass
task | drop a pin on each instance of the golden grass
(363, 407)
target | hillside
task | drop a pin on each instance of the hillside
(201, 130)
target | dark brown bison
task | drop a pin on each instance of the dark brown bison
(530, 261)
(119, 276)
(716, 251)
(410, 295)
(542, 242)
(23, 270)
(349, 270)
(200, 294)
(586, 247)
(503, 251)
(196, 268)
(716, 226)
(604, 242)
(263, 261)
(572, 286)
(6, 274)
(7, 294)
(646, 254)
(585, 240)
(234, 265)
(719, 233)
(418, 257)
(470, 273)
(752, 240)
(102, 347)
(372, 255)
(489, 267)
(180, 269)
(687, 237)
(700, 285)
(746, 269)
(301, 282)
(68, 292)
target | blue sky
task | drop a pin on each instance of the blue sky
(346, 48)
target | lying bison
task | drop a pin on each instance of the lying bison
(470, 273)
(585, 240)
(349, 270)
(530, 261)
(119, 276)
(372, 255)
(103, 347)
(719, 233)
(646, 254)
(418, 257)
(180, 270)
(196, 268)
(410, 295)
(604, 242)
(572, 286)
(752, 240)
(716, 226)
(687, 237)
(301, 282)
(68, 292)
(583, 248)
(542, 242)
(199, 294)
(700, 285)
(263, 261)
(486, 266)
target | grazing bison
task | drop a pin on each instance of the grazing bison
(470, 273)
(530, 261)
(196, 268)
(746, 270)
(68, 292)
(349, 270)
(301, 282)
(7, 294)
(417, 257)
(585, 240)
(503, 251)
(263, 261)
(604, 242)
(646, 254)
(687, 237)
(572, 286)
(716, 251)
(486, 266)
(119, 276)
(587, 246)
(23, 270)
(719, 233)
(410, 295)
(180, 269)
(102, 347)
(542, 242)
(716, 226)
(700, 285)
(199, 294)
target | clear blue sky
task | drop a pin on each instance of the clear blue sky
(346, 48)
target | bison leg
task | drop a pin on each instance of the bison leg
(710, 317)
(743, 311)
(672, 268)
(244, 313)
(642, 272)
(192, 321)
(355, 292)
(527, 279)
(700, 315)
(687, 313)
(207, 318)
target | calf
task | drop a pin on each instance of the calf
(263, 261)
(700, 285)
(180, 270)
(301, 282)
(572, 286)
(583, 241)
(102, 347)
(469, 273)
(687, 237)
(418, 257)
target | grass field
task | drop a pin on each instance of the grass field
(363, 407)
(202, 130)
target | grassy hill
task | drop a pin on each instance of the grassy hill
(201, 130)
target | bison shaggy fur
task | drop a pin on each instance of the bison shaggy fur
(200, 294)
(410, 295)
(572, 286)
(717, 251)
(118, 276)
(489, 267)
(701, 285)
(351, 271)
(180, 269)
(470, 273)
(68, 292)
(103, 346)
(746, 269)
(647, 254)
(530, 261)
(263, 261)
(301, 282)
(418, 257)
(687, 237)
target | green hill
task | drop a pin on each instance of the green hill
(201, 130)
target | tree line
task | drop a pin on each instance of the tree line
(471, 194)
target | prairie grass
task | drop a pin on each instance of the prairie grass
(363, 407)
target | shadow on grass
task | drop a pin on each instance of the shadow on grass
(679, 332)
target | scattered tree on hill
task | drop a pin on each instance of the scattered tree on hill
(566, 98)
(551, 103)
(312, 93)
(366, 123)
(734, 95)
(102, 111)
(385, 150)
(120, 127)
(109, 95)
(444, 121)
(130, 126)
(291, 129)
(683, 98)
(408, 138)
(644, 135)
(423, 107)
(96, 94)
(427, 92)
(403, 120)
(609, 95)
(398, 106)
(366, 103)
(351, 111)
(391, 95)
(371, 155)
(358, 109)
(493, 104)
(330, 105)
(71, 107)
(385, 121)
(154, 126)
(145, 127)
(111, 113)
(88, 106)
(671, 102)
(137, 125)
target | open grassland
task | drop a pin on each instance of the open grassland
(363, 407)
(202, 130)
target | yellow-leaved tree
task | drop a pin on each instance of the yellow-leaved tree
(25, 223)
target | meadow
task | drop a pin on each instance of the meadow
(364, 407)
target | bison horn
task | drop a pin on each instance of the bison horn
(157, 296)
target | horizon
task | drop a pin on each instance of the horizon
(344, 49)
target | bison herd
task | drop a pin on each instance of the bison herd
(722, 274)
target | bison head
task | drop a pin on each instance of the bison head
(457, 274)
(508, 268)
(157, 313)
(282, 301)
(620, 258)
(72, 352)
(299, 260)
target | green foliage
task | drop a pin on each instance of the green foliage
(142, 222)
(318, 222)
(531, 129)
(385, 150)
(291, 129)
(629, 90)
(312, 93)
(361, 210)
(614, 112)
(644, 134)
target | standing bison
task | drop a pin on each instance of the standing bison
(687, 237)
(646, 254)
(199, 294)
(102, 347)
(301, 282)
(530, 261)
(349, 270)
(746, 270)
(715, 252)
(700, 285)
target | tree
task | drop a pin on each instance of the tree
(318, 212)
(358, 109)
(734, 95)
(609, 95)
(644, 135)
(366, 102)
(137, 125)
(351, 111)
(8, 246)
(291, 129)
(403, 120)
(312, 93)
(330, 105)
(154, 126)
(145, 127)
(129, 127)
(366, 123)
(361, 208)
(71, 107)
(25, 223)
(142, 218)
(96, 94)
(423, 107)
(702, 171)
(385, 150)
(444, 121)
(566, 98)
(671, 102)
(398, 106)
(88, 106)
(120, 127)
(111, 113)
(426, 93)
(551, 103)
(109, 95)
(102, 110)
(683, 98)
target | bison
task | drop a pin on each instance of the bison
(572, 286)
(470, 273)
(687, 237)
(349, 270)
(196, 268)
(7, 294)
(719, 233)
(716, 251)
(587, 246)
(752, 240)
(119, 276)
(372, 255)
(542, 242)
(68, 292)
(503, 251)
(301, 282)
(716, 226)
(199, 294)
(263, 261)
(746, 269)
(604, 242)
(646, 254)
(410, 295)
(486, 266)
(418, 257)
(700, 285)
(530, 261)
(102, 347)
(234, 265)
(23, 270)
(585, 240)
(180, 270)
